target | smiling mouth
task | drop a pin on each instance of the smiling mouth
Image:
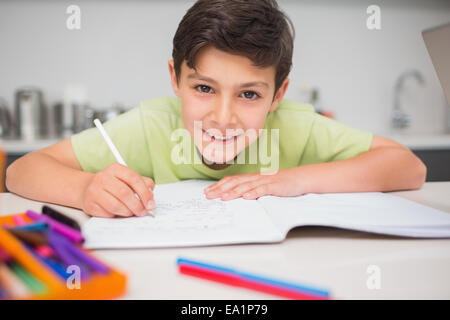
(223, 139)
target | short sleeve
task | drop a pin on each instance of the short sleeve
(127, 133)
(330, 140)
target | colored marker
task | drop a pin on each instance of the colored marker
(79, 254)
(45, 251)
(66, 231)
(251, 281)
(18, 220)
(57, 244)
(12, 285)
(34, 238)
(237, 281)
(13, 274)
(39, 225)
(14, 249)
(31, 282)
(57, 267)
(60, 217)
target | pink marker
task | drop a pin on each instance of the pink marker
(18, 220)
(68, 232)
(45, 251)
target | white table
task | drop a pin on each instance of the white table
(326, 257)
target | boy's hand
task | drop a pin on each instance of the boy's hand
(284, 183)
(111, 192)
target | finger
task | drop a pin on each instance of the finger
(229, 184)
(149, 183)
(217, 183)
(242, 188)
(115, 206)
(213, 189)
(136, 183)
(259, 191)
(98, 211)
(124, 194)
(222, 181)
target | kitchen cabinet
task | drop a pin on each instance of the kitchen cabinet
(10, 159)
(437, 162)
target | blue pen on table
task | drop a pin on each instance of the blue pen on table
(256, 278)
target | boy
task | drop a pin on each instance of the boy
(231, 59)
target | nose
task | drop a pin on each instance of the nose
(223, 115)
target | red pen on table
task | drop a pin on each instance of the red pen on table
(245, 280)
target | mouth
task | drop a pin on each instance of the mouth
(217, 138)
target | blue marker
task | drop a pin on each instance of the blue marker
(257, 278)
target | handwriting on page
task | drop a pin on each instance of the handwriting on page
(184, 216)
(196, 213)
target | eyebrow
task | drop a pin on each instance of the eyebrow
(242, 85)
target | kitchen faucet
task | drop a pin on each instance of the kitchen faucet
(400, 119)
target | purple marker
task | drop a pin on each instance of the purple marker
(68, 232)
(57, 243)
(76, 253)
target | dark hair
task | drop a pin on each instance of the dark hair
(255, 29)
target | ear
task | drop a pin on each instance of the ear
(280, 94)
(173, 78)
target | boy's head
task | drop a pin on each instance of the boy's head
(231, 59)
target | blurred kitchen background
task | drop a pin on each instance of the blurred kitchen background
(54, 81)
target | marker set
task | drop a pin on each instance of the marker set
(42, 257)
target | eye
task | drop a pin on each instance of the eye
(250, 95)
(204, 89)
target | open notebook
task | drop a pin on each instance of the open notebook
(184, 217)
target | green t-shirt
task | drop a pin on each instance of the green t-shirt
(145, 138)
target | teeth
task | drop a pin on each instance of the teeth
(219, 137)
(223, 138)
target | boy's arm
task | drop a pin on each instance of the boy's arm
(52, 175)
(387, 166)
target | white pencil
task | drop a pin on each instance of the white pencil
(114, 150)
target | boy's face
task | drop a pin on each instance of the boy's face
(225, 101)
